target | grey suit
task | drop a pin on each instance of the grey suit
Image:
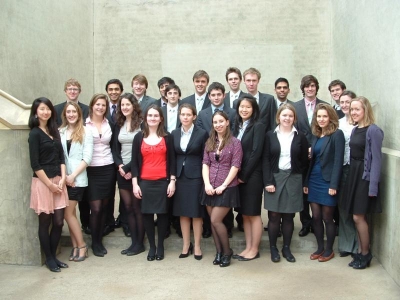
(178, 121)
(192, 100)
(146, 102)
(204, 119)
(227, 99)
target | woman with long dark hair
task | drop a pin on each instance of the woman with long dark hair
(49, 195)
(153, 169)
(128, 125)
(221, 162)
(251, 134)
(77, 144)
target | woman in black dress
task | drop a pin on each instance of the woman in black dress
(285, 163)
(49, 195)
(365, 168)
(251, 134)
(189, 142)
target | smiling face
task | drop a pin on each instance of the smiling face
(357, 112)
(220, 124)
(138, 89)
(187, 117)
(251, 82)
(310, 91)
(126, 107)
(282, 90)
(100, 107)
(71, 115)
(43, 112)
(200, 84)
(245, 110)
(72, 92)
(153, 118)
(173, 97)
(344, 103)
(322, 118)
(216, 97)
(234, 82)
(114, 91)
(286, 118)
(336, 91)
(162, 89)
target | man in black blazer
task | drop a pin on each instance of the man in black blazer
(282, 90)
(336, 88)
(200, 98)
(233, 77)
(114, 89)
(162, 84)
(304, 110)
(72, 89)
(251, 79)
(216, 92)
(170, 112)
(139, 86)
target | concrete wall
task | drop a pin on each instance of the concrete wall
(365, 55)
(176, 38)
(44, 43)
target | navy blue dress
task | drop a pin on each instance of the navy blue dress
(318, 188)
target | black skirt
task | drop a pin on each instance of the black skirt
(229, 198)
(124, 184)
(101, 182)
(154, 196)
(75, 193)
(251, 195)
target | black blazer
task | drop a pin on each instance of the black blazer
(252, 145)
(272, 151)
(204, 118)
(146, 102)
(274, 110)
(116, 151)
(302, 124)
(227, 100)
(178, 121)
(265, 103)
(193, 156)
(331, 158)
(158, 102)
(60, 107)
(137, 159)
(192, 100)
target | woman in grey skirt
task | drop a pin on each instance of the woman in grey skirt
(285, 162)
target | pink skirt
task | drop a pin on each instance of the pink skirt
(43, 200)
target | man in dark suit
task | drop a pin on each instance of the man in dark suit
(251, 79)
(139, 86)
(200, 98)
(72, 89)
(336, 88)
(233, 77)
(305, 109)
(170, 112)
(162, 85)
(282, 90)
(216, 92)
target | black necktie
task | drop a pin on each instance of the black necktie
(114, 113)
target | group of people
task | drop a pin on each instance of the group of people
(201, 157)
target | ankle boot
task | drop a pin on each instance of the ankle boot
(363, 261)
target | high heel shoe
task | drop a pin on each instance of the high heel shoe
(190, 251)
(226, 260)
(354, 261)
(85, 254)
(151, 255)
(217, 259)
(160, 253)
(72, 256)
(198, 257)
(363, 261)
(60, 264)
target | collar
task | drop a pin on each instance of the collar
(236, 95)
(277, 129)
(221, 107)
(188, 132)
(202, 97)
(312, 101)
(89, 121)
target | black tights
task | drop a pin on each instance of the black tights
(218, 228)
(323, 213)
(162, 226)
(49, 242)
(274, 222)
(135, 218)
(97, 220)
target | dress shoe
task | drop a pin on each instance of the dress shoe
(60, 264)
(226, 260)
(126, 231)
(190, 251)
(135, 251)
(344, 253)
(52, 266)
(102, 248)
(160, 253)
(326, 258)
(117, 223)
(198, 257)
(241, 258)
(240, 227)
(206, 233)
(151, 255)
(304, 231)
(217, 259)
(363, 261)
(236, 256)
(84, 256)
(315, 256)
(107, 230)
(275, 257)
(286, 253)
(97, 251)
(159, 257)
(230, 234)
(354, 260)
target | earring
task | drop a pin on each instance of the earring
(35, 116)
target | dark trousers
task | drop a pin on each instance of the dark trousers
(305, 217)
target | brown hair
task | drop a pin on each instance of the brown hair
(307, 80)
(141, 79)
(252, 71)
(285, 106)
(188, 106)
(73, 82)
(136, 117)
(160, 129)
(233, 70)
(201, 73)
(93, 102)
(368, 113)
(333, 120)
(211, 144)
(79, 131)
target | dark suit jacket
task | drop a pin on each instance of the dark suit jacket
(158, 102)
(178, 122)
(331, 158)
(302, 124)
(252, 145)
(193, 156)
(265, 103)
(227, 99)
(146, 102)
(272, 151)
(192, 100)
(204, 118)
(274, 110)
(339, 113)
(60, 107)
(116, 151)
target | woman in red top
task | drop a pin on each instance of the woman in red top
(153, 176)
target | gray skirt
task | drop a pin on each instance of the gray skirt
(288, 195)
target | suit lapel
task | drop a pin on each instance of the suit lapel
(325, 142)
(192, 138)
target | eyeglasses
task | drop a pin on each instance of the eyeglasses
(72, 90)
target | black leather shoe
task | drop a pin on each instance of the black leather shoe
(286, 253)
(52, 266)
(236, 256)
(225, 260)
(344, 253)
(60, 264)
(151, 255)
(304, 231)
(275, 257)
(97, 251)
(241, 258)
(135, 251)
(107, 230)
(126, 231)
(217, 259)
(206, 233)
(159, 257)
(230, 233)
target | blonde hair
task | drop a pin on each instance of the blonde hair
(368, 113)
(79, 131)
